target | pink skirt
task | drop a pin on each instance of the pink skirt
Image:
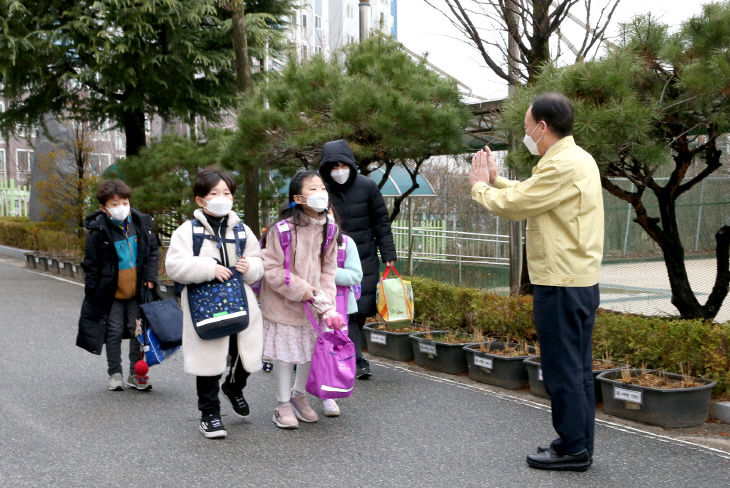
(293, 344)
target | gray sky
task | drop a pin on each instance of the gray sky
(423, 29)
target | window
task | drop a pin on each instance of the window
(304, 21)
(119, 140)
(3, 167)
(2, 109)
(304, 52)
(98, 163)
(350, 12)
(317, 22)
(22, 165)
(317, 49)
(350, 38)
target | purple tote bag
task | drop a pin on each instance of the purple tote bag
(333, 363)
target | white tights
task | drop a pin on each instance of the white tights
(282, 376)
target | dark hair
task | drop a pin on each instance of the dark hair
(296, 213)
(208, 178)
(556, 110)
(108, 188)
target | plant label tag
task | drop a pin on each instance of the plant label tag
(427, 348)
(378, 338)
(483, 362)
(626, 395)
(37, 259)
(539, 374)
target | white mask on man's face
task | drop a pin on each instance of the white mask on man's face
(340, 175)
(530, 143)
(219, 206)
(119, 212)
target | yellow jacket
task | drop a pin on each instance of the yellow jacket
(563, 204)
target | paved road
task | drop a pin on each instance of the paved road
(59, 425)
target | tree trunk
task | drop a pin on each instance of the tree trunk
(133, 123)
(243, 83)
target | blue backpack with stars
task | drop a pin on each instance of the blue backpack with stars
(218, 309)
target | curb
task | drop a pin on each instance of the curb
(720, 411)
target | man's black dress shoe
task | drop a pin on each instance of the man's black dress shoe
(567, 462)
(543, 449)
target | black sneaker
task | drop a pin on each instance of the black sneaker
(239, 404)
(212, 427)
(362, 369)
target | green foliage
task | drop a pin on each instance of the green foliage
(161, 176)
(695, 347)
(115, 60)
(444, 306)
(388, 106)
(38, 236)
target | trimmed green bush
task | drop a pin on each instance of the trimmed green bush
(692, 347)
(37, 236)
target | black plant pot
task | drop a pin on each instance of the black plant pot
(391, 345)
(537, 386)
(666, 407)
(494, 369)
(441, 356)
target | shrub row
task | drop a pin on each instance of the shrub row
(693, 347)
(36, 236)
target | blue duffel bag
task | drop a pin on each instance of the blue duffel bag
(153, 351)
(164, 317)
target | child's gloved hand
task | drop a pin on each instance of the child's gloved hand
(333, 320)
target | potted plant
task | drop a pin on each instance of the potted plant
(537, 386)
(442, 350)
(390, 343)
(656, 397)
(498, 363)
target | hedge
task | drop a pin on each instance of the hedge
(36, 236)
(693, 347)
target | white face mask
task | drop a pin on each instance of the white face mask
(119, 213)
(530, 143)
(340, 175)
(219, 206)
(318, 201)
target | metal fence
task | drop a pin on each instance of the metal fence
(14, 199)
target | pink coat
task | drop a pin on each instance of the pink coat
(281, 303)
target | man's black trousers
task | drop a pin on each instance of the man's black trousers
(564, 317)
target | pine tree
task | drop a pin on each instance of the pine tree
(657, 102)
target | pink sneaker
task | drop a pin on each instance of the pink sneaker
(284, 417)
(302, 409)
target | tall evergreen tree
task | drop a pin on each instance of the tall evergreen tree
(656, 103)
(391, 109)
(115, 59)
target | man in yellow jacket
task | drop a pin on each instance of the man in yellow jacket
(563, 204)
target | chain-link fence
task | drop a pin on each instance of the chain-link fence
(452, 238)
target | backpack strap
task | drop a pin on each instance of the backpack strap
(342, 252)
(331, 232)
(199, 235)
(284, 231)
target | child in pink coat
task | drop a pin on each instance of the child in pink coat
(289, 337)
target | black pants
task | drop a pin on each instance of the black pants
(356, 321)
(207, 386)
(564, 318)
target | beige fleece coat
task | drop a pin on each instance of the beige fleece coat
(208, 357)
(281, 303)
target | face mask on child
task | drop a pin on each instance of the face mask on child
(119, 213)
(318, 201)
(219, 206)
(340, 175)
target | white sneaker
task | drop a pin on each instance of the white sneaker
(115, 382)
(330, 408)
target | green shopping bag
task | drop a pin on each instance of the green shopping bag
(394, 300)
